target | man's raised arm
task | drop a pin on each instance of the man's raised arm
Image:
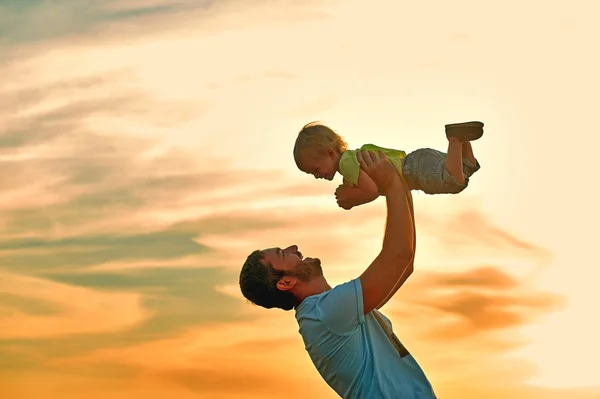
(395, 260)
(409, 270)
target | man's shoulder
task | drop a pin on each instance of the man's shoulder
(344, 291)
(339, 309)
(349, 287)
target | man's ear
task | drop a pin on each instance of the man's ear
(286, 283)
(331, 152)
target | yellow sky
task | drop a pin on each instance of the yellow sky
(146, 150)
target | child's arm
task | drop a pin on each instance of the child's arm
(367, 187)
(364, 192)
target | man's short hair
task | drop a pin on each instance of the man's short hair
(258, 282)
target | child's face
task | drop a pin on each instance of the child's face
(322, 165)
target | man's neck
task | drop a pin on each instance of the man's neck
(315, 287)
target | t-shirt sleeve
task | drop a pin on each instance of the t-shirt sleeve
(341, 309)
(349, 166)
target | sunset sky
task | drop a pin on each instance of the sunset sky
(146, 150)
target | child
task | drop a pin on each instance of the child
(321, 152)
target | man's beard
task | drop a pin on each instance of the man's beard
(306, 270)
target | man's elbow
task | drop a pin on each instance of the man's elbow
(409, 269)
(406, 269)
(405, 261)
(399, 253)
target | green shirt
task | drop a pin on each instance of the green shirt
(349, 166)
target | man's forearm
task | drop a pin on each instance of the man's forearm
(406, 272)
(397, 254)
(398, 240)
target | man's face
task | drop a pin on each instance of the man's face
(293, 263)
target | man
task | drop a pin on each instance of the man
(343, 331)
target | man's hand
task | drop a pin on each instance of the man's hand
(380, 169)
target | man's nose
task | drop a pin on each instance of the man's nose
(292, 249)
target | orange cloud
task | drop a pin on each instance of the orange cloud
(475, 301)
(77, 310)
(221, 359)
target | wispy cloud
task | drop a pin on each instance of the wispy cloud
(39, 20)
(75, 310)
(71, 21)
(477, 301)
(144, 153)
(209, 360)
(468, 228)
(114, 217)
(106, 235)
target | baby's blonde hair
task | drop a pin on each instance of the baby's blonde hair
(316, 137)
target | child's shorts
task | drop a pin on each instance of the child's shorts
(425, 170)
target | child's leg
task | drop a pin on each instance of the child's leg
(454, 159)
(467, 152)
(427, 170)
(459, 137)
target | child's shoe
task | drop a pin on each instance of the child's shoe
(465, 131)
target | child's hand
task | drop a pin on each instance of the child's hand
(342, 196)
